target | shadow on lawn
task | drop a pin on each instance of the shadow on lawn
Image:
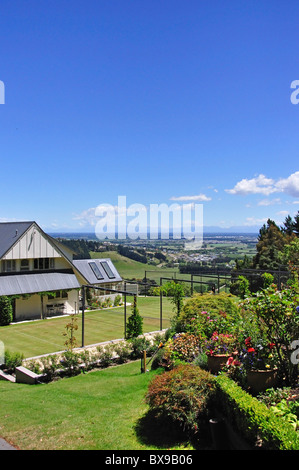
(164, 433)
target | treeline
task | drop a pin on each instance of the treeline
(82, 247)
(276, 246)
(197, 268)
(139, 255)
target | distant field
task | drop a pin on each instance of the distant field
(46, 336)
(130, 269)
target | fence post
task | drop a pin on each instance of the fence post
(83, 309)
(160, 303)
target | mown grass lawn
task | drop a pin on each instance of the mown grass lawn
(100, 410)
(46, 336)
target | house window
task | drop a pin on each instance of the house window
(24, 265)
(9, 266)
(60, 294)
(108, 270)
(43, 263)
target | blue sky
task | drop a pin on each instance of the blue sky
(160, 101)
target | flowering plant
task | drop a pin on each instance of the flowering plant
(220, 344)
(182, 347)
(258, 356)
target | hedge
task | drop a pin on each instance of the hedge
(252, 419)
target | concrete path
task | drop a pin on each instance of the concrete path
(5, 446)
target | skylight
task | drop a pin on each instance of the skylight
(108, 270)
(96, 270)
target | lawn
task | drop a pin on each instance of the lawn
(46, 336)
(99, 410)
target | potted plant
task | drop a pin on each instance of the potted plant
(260, 362)
(218, 349)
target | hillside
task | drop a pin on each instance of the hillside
(131, 269)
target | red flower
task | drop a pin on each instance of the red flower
(251, 350)
(271, 345)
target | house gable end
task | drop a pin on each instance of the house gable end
(34, 243)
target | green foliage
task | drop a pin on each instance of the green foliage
(176, 291)
(184, 394)
(240, 287)
(204, 314)
(279, 318)
(105, 355)
(5, 310)
(183, 347)
(134, 325)
(12, 360)
(70, 328)
(117, 300)
(270, 246)
(252, 419)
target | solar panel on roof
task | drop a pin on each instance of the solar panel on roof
(108, 270)
(96, 270)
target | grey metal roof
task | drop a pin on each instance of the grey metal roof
(42, 282)
(10, 232)
(83, 265)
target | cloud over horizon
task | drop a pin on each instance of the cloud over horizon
(266, 186)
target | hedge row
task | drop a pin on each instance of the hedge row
(253, 420)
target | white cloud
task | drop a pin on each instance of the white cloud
(269, 202)
(263, 185)
(259, 185)
(199, 197)
(289, 185)
(86, 217)
(282, 213)
(254, 221)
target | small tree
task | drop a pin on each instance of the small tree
(134, 325)
(177, 292)
(70, 328)
(5, 310)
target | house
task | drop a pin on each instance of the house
(42, 277)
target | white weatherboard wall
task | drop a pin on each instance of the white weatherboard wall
(28, 308)
(32, 244)
(31, 307)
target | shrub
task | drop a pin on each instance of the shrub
(123, 351)
(183, 347)
(134, 323)
(184, 394)
(105, 355)
(117, 300)
(252, 419)
(139, 345)
(204, 314)
(278, 312)
(5, 310)
(12, 360)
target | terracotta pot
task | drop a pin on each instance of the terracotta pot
(260, 380)
(216, 362)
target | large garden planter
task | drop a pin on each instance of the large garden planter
(217, 362)
(260, 380)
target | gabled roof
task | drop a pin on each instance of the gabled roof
(10, 232)
(97, 271)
